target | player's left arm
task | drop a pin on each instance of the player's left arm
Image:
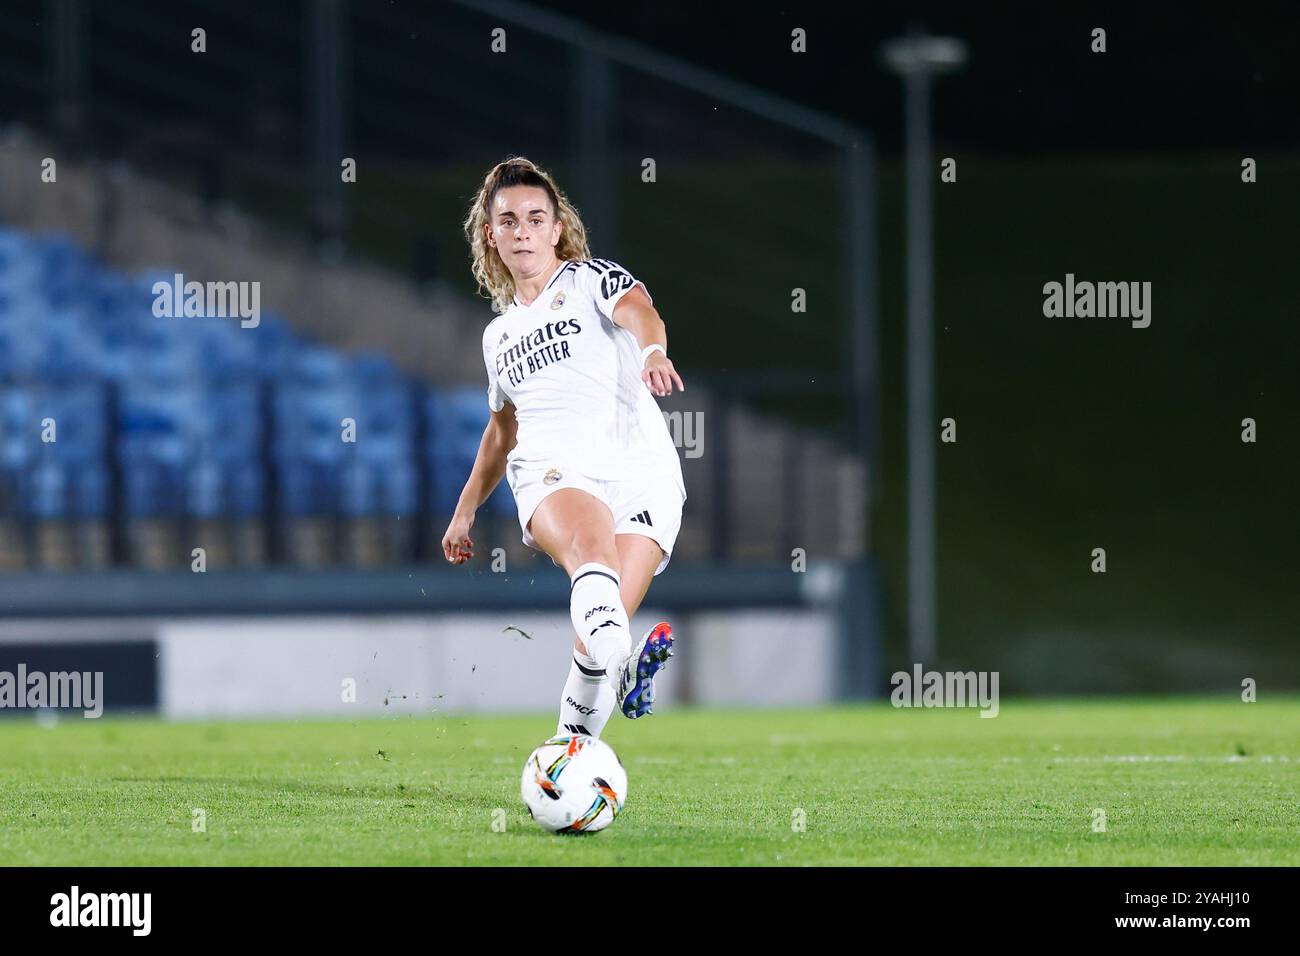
(635, 313)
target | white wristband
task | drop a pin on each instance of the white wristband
(645, 352)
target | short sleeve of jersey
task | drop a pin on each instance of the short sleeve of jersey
(608, 282)
(495, 397)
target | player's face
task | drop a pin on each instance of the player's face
(523, 228)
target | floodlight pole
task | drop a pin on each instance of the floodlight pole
(325, 37)
(916, 58)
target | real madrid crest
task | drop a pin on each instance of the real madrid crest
(558, 301)
(552, 476)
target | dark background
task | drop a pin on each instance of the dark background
(1174, 77)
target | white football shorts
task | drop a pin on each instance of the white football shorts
(649, 504)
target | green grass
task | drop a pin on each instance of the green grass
(1182, 782)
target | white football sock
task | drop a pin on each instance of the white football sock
(598, 616)
(588, 699)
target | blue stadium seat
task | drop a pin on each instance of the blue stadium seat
(18, 435)
(154, 488)
(78, 413)
(308, 488)
(456, 419)
(194, 416)
(47, 491)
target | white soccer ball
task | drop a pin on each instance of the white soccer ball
(573, 784)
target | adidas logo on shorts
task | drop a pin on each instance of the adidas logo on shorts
(644, 518)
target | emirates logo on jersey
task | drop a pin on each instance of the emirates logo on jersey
(536, 350)
(558, 301)
(552, 476)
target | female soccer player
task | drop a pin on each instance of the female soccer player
(573, 358)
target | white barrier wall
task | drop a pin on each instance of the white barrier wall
(400, 665)
(450, 663)
(766, 658)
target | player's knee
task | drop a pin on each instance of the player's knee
(587, 545)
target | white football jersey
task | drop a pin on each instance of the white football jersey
(574, 378)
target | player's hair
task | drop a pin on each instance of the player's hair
(494, 279)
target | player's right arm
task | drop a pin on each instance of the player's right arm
(489, 468)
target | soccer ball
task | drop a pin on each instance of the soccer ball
(573, 784)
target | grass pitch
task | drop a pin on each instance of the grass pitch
(1181, 782)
